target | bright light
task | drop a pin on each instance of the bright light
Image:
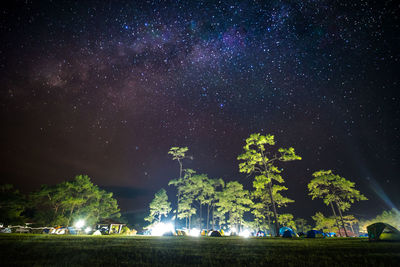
(161, 228)
(246, 233)
(194, 232)
(79, 224)
(88, 229)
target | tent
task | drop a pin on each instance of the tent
(215, 234)
(314, 234)
(180, 232)
(283, 229)
(170, 233)
(383, 231)
(289, 232)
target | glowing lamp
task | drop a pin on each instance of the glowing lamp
(194, 232)
(79, 224)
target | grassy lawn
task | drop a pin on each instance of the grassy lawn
(49, 250)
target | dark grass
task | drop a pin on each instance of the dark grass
(49, 250)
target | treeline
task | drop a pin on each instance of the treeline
(60, 204)
(211, 203)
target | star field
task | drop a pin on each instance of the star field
(106, 88)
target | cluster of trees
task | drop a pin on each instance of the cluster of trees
(60, 204)
(206, 202)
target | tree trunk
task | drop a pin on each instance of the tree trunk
(269, 221)
(190, 216)
(177, 200)
(337, 224)
(341, 218)
(352, 229)
(200, 218)
(208, 215)
(213, 218)
(274, 210)
(70, 214)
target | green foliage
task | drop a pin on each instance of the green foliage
(12, 204)
(286, 219)
(66, 202)
(159, 206)
(334, 188)
(234, 201)
(260, 161)
(324, 223)
(301, 225)
(178, 153)
(391, 217)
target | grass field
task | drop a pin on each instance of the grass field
(49, 250)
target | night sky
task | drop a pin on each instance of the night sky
(106, 88)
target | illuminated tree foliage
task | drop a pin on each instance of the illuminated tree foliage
(178, 154)
(234, 201)
(287, 220)
(324, 223)
(334, 189)
(301, 225)
(66, 202)
(263, 208)
(261, 162)
(159, 206)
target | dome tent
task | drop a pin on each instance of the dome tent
(314, 234)
(383, 231)
(214, 234)
(287, 232)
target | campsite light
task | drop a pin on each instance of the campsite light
(245, 233)
(161, 228)
(79, 224)
(194, 232)
(88, 229)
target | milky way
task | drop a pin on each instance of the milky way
(105, 88)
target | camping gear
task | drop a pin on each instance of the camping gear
(314, 234)
(261, 234)
(5, 231)
(97, 232)
(383, 231)
(301, 234)
(181, 233)
(290, 232)
(214, 234)
(170, 233)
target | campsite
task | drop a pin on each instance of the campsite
(40, 250)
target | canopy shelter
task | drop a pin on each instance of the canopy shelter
(383, 231)
(110, 226)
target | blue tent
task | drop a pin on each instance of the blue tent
(314, 234)
(287, 232)
(283, 229)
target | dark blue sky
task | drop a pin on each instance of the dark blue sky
(106, 88)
